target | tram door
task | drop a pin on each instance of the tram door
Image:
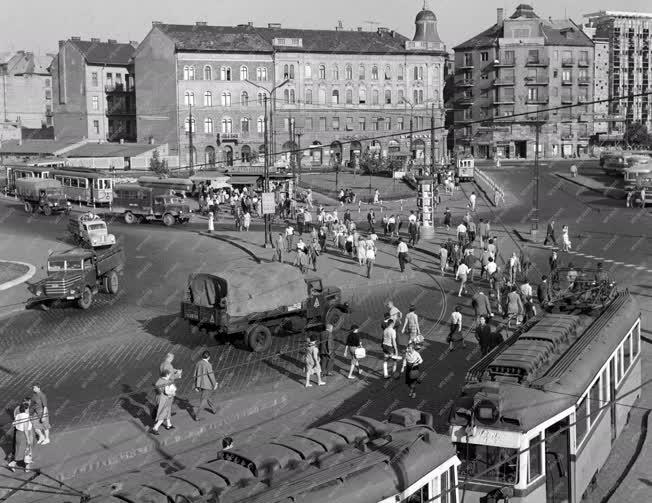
(558, 485)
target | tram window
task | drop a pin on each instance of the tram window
(477, 458)
(74, 182)
(580, 421)
(605, 387)
(619, 364)
(594, 405)
(627, 350)
(422, 495)
(535, 468)
(636, 341)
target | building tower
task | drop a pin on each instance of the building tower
(426, 27)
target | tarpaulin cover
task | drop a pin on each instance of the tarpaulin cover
(251, 289)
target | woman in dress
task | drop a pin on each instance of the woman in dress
(447, 218)
(23, 439)
(312, 363)
(515, 308)
(211, 222)
(166, 390)
(353, 342)
(362, 251)
(413, 330)
(411, 365)
(566, 244)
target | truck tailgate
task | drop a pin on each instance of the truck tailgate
(201, 314)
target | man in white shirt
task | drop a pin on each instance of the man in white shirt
(289, 237)
(461, 233)
(390, 350)
(402, 253)
(462, 275)
(370, 255)
(455, 333)
(526, 291)
(472, 199)
(491, 269)
(412, 218)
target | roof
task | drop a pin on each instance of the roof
(257, 39)
(111, 150)
(51, 147)
(425, 15)
(21, 63)
(105, 53)
(524, 11)
(618, 13)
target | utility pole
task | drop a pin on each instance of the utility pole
(293, 150)
(268, 240)
(432, 140)
(299, 153)
(190, 146)
(535, 196)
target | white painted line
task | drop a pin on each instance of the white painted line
(31, 270)
(607, 260)
(618, 263)
(630, 265)
(640, 268)
(589, 256)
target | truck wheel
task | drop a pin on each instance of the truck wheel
(47, 211)
(130, 218)
(259, 338)
(168, 220)
(111, 283)
(86, 298)
(28, 207)
(336, 317)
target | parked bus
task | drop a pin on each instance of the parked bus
(85, 185)
(539, 414)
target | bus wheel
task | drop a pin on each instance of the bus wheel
(168, 220)
(130, 218)
(47, 211)
(28, 207)
(259, 338)
(86, 298)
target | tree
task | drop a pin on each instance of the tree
(158, 166)
(637, 134)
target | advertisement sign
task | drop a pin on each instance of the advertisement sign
(269, 205)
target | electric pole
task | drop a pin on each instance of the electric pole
(268, 240)
(432, 140)
(535, 196)
(299, 153)
(190, 131)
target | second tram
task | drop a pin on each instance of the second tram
(85, 186)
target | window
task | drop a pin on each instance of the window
(421, 495)
(244, 125)
(467, 114)
(208, 73)
(292, 72)
(566, 76)
(260, 125)
(400, 124)
(109, 79)
(349, 96)
(566, 95)
(226, 99)
(189, 98)
(509, 57)
(533, 56)
(374, 72)
(191, 73)
(227, 125)
(94, 81)
(261, 98)
(594, 403)
(208, 99)
(322, 123)
(484, 56)
(420, 96)
(244, 99)
(286, 71)
(322, 72)
(388, 123)
(583, 75)
(244, 73)
(535, 467)
(401, 72)
(95, 102)
(264, 73)
(374, 124)
(361, 72)
(388, 97)
(96, 127)
(468, 59)
(225, 73)
(308, 96)
(349, 124)
(533, 94)
(208, 125)
(480, 457)
(567, 57)
(186, 124)
(583, 93)
(584, 58)
(348, 72)
(374, 97)
(186, 73)
(335, 97)
(336, 73)
(308, 71)
(362, 96)
(581, 421)
(388, 72)
(336, 123)
(401, 96)
(286, 96)
(362, 124)
(292, 96)
(636, 342)
(322, 96)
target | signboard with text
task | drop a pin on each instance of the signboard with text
(269, 205)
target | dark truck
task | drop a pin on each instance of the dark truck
(39, 194)
(143, 204)
(79, 274)
(255, 302)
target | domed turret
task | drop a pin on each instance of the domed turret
(426, 27)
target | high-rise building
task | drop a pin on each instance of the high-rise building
(93, 88)
(344, 92)
(630, 68)
(508, 75)
(25, 89)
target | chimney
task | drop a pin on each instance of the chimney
(200, 23)
(95, 39)
(111, 41)
(75, 38)
(382, 30)
(134, 43)
(500, 16)
(62, 43)
(154, 23)
(274, 25)
(250, 23)
(359, 28)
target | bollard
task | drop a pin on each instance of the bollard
(359, 206)
(79, 201)
(401, 204)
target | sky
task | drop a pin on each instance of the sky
(38, 25)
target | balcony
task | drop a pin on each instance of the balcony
(584, 63)
(543, 62)
(505, 100)
(584, 81)
(567, 135)
(466, 65)
(228, 137)
(119, 87)
(465, 83)
(566, 100)
(466, 101)
(567, 62)
(119, 110)
(537, 81)
(537, 117)
(505, 63)
(505, 81)
(539, 100)
(566, 82)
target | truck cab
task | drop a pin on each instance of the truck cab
(91, 230)
(171, 208)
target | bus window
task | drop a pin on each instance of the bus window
(66, 181)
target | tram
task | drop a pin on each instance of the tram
(28, 170)
(85, 185)
(358, 459)
(538, 415)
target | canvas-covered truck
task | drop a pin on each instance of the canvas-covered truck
(79, 274)
(255, 302)
(142, 204)
(41, 194)
(90, 230)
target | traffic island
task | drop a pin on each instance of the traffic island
(14, 273)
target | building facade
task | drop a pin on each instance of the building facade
(506, 79)
(94, 93)
(25, 89)
(630, 69)
(339, 92)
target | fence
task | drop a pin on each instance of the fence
(495, 195)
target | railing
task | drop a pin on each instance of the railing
(505, 100)
(583, 62)
(466, 83)
(567, 62)
(567, 136)
(537, 100)
(536, 62)
(566, 100)
(228, 136)
(505, 62)
(537, 81)
(494, 193)
(119, 88)
(505, 81)
(584, 81)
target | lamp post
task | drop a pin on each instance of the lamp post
(271, 92)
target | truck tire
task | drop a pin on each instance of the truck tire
(169, 220)
(336, 317)
(130, 218)
(111, 283)
(86, 299)
(47, 211)
(28, 207)
(259, 338)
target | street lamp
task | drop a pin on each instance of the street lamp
(271, 92)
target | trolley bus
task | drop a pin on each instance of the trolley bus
(538, 415)
(85, 185)
(357, 459)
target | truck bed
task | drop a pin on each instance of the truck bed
(110, 258)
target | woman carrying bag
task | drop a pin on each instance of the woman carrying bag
(166, 391)
(411, 364)
(23, 439)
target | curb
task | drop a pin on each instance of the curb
(31, 270)
(612, 192)
(233, 243)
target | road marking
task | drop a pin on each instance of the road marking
(607, 260)
(640, 268)
(630, 265)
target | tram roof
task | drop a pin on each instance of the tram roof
(559, 354)
(81, 172)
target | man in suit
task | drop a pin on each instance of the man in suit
(483, 335)
(481, 306)
(550, 233)
(327, 350)
(205, 384)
